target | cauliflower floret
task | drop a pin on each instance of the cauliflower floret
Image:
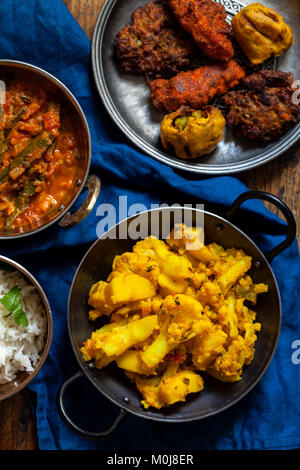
(142, 265)
(210, 294)
(228, 367)
(186, 239)
(207, 346)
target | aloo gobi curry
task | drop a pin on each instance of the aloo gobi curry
(175, 313)
(39, 158)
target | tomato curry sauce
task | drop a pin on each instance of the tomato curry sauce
(39, 159)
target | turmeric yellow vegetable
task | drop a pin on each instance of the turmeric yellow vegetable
(176, 387)
(105, 297)
(131, 361)
(120, 337)
(171, 388)
(192, 133)
(261, 33)
(207, 346)
(156, 352)
(175, 313)
(234, 273)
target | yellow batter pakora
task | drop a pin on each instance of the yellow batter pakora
(176, 308)
(261, 33)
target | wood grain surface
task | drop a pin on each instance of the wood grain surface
(280, 177)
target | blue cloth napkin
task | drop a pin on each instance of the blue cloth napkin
(44, 33)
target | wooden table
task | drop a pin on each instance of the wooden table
(280, 177)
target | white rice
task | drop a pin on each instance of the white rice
(20, 346)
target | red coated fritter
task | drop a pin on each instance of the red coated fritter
(154, 42)
(206, 21)
(263, 109)
(195, 88)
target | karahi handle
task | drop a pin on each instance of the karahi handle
(74, 427)
(286, 212)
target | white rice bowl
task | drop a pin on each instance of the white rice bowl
(20, 346)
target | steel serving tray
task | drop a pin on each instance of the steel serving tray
(126, 96)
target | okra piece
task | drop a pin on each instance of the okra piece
(16, 118)
(42, 142)
(3, 145)
(24, 197)
(26, 99)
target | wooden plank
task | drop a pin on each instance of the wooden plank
(280, 177)
(17, 426)
(86, 13)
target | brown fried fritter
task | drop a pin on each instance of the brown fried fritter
(206, 21)
(263, 108)
(154, 43)
(195, 88)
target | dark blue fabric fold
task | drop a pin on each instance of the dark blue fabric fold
(44, 33)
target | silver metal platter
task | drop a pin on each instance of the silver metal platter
(126, 96)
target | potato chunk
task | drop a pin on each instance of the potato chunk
(121, 336)
(131, 362)
(228, 317)
(171, 388)
(182, 320)
(105, 297)
(234, 273)
(156, 352)
(175, 270)
(175, 388)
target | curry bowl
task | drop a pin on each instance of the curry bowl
(23, 376)
(216, 396)
(45, 152)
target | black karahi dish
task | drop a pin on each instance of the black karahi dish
(217, 396)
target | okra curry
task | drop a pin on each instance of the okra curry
(40, 162)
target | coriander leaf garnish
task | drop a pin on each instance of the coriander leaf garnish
(12, 301)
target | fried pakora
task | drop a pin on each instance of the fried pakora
(261, 33)
(154, 43)
(191, 133)
(195, 88)
(192, 320)
(263, 109)
(206, 21)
